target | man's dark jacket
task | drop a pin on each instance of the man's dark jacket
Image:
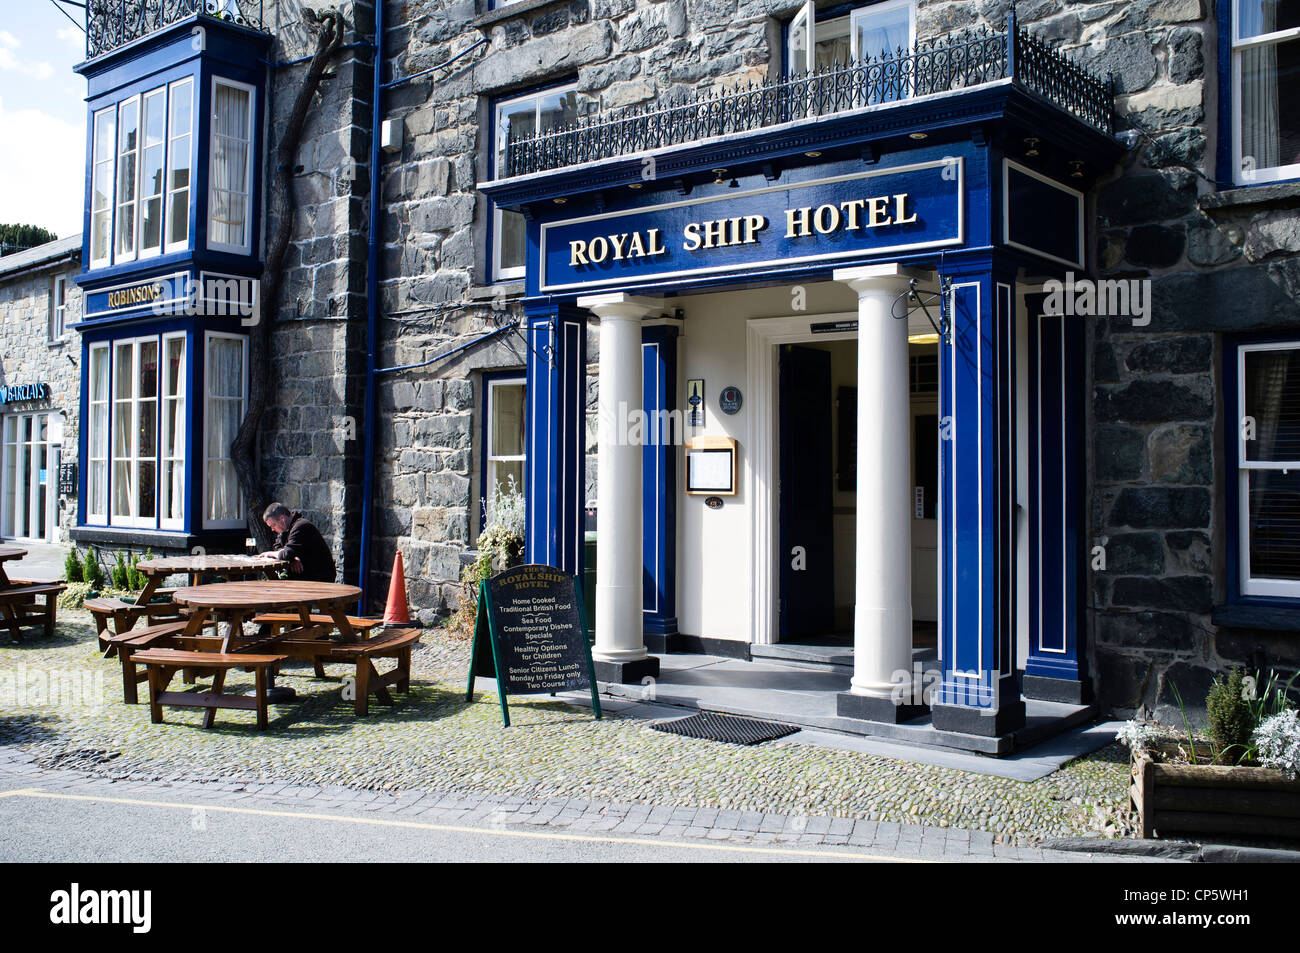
(303, 541)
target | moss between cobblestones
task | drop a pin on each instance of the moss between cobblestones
(434, 740)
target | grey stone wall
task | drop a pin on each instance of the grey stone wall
(1155, 445)
(28, 357)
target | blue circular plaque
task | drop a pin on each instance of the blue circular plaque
(730, 400)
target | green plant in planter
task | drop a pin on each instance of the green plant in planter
(91, 571)
(1230, 718)
(72, 566)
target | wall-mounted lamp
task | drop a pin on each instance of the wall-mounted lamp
(1032, 143)
(1076, 168)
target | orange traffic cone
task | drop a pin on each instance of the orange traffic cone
(395, 612)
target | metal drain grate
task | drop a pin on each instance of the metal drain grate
(729, 728)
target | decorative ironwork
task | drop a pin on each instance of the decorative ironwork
(114, 23)
(941, 65)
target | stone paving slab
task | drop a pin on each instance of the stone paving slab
(873, 840)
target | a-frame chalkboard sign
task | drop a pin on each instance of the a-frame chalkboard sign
(530, 634)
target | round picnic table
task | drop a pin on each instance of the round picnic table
(236, 602)
(239, 601)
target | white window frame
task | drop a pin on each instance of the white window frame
(97, 158)
(489, 458)
(1254, 176)
(107, 459)
(499, 136)
(232, 523)
(132, 518)
(120, 256)
(1250, 585)
(173, 242)
(140, 197)
(166, 452)
(846, 21)
(28, 483)
(54, 331)
(246, 247)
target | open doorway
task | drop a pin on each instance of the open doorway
(817, 490)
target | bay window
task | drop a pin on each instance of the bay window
(232, 149)
(227, 384)
(171, 485)
(1268, 469)
(141, 161)
(1265, 90)
(135, 432)
(179, 162)
(128, 145)
(101, 189)
(540, 111)
(97, 436)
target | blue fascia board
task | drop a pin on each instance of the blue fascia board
(222, 40)
(949, 117)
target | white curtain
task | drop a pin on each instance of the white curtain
(225, 410)
(229, 165)
(1260, 139)
(831, 53)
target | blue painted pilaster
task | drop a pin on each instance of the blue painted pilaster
(555, 435)
(978, 692)
(659, 479)
(1056, 419)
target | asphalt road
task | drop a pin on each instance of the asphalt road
(40, 825)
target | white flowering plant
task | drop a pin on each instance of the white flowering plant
(1137, 736)
(1277, 742)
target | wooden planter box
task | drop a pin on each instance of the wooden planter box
(1235, 801)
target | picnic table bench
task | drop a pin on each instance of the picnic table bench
(392, 643)
(163, 664)
(18, 606)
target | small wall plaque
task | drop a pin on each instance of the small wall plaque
(714, 502)
(730, 400)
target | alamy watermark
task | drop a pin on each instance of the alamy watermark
(1106, 298)
(24, 687)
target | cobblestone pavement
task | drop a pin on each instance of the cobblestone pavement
(686, 833)
(554, 754)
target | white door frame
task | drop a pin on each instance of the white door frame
(762, 338)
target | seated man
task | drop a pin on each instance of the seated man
(300, 544)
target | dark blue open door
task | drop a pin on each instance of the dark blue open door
(807, 473)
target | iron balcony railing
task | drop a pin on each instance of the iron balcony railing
(945, 64)
(114, 23)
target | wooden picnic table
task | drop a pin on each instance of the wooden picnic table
(198, 569)
(240, 601)
(18, 606)
(8, 553)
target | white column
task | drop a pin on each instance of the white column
(619, 632)
(882, 614)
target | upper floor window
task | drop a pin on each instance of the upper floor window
(141, 152)
(870, 31)
(1266, 90)
(58, 308)
(230, 201)
(539, 111)
(1268, 465)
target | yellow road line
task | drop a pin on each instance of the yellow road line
(458, 829)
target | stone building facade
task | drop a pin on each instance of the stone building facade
(1220, 259)
(40, 379)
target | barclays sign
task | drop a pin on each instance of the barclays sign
(14, 393)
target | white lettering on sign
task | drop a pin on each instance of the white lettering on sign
(626, 245)
(880, 210)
